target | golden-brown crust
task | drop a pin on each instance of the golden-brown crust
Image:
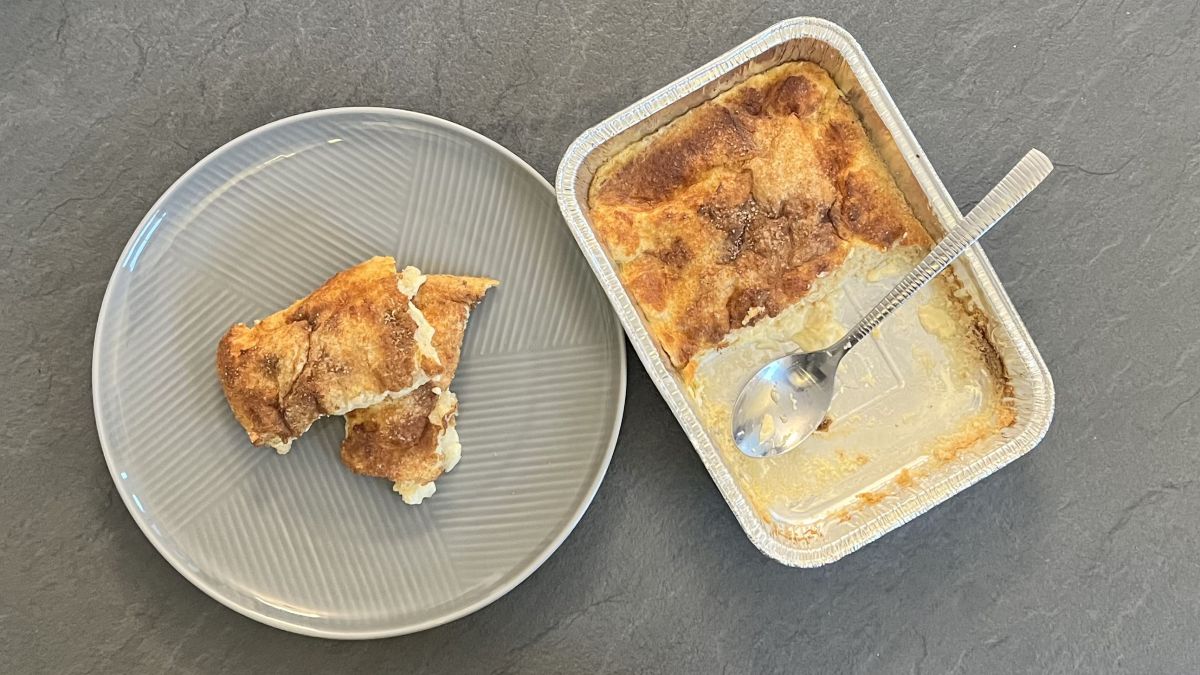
(350, 337)
(446, 301)
(396, 439)
(728, 214)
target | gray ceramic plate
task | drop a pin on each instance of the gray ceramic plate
(297, 541)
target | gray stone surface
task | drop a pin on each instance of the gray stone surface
(1080, 556)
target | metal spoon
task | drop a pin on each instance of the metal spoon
(787, 400)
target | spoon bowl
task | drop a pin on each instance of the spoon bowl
(785, 402)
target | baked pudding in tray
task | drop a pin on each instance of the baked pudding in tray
(764, 221)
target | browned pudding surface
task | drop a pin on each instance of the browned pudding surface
(399, 438)
(728, 214)
(350, 338)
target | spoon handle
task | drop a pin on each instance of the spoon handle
(1020, 181)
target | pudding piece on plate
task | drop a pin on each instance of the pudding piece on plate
(411, 439)
(355, 341)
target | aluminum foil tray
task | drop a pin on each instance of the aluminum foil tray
(1032, 392)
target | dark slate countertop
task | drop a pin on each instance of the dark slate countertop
(1082, 555)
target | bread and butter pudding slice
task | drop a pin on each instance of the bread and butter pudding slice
(355, 341)
(411, 440)
(730, 213)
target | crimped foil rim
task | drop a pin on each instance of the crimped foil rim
(1035, 423)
